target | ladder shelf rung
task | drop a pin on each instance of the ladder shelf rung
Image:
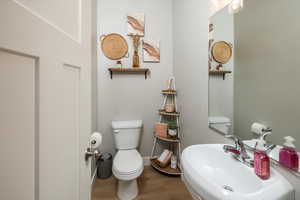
(169, 93)
(166, 170)
(162, 112)
(175, 140)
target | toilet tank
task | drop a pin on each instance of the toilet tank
(127, 133)
(220, 124)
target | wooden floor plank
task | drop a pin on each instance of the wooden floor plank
(152, 186)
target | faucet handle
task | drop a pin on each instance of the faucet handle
(236, 139)
(230, 136)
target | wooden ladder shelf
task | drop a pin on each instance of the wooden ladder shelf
(173, 144)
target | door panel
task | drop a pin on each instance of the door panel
(17, 125)
(61, 136)
(51, 11)
(56, 107)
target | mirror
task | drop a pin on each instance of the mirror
(261, 83)
(221, 74)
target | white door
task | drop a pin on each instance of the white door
(45, 100)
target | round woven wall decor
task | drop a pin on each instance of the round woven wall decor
(114, 46)
(221, 52)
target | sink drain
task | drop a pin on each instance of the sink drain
(228, 188)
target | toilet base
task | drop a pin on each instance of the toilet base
(127, 190)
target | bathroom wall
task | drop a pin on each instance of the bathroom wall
(178, 23)
(267, 68)
(190, 30)
(267, 71)
(129, 97)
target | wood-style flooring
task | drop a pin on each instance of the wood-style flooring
(152, 186)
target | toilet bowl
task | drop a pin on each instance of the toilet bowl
(127, 163)
(127, 167)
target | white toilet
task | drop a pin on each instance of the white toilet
(127, 163)
(220, 124)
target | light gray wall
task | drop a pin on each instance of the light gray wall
(267, 68)
(221, 91)
(129, 97)
(191, 70)
(267, 71)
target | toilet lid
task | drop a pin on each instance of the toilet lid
(218, 120)
(127, 161)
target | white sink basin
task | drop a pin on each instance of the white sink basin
(212, 174)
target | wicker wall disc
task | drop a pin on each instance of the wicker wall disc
(221, 52)
(114, 46)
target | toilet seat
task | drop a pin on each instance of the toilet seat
(127, 165)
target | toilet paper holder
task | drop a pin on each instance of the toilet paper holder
(260, 129)
(266, 131)
(90, 152)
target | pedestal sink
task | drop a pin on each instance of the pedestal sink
(211, 174)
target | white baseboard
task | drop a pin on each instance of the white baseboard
(94, 176)
(146, 161)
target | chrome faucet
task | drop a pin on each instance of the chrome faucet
(238, 151)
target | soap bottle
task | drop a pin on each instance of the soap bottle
(288, 156)
(261, 161)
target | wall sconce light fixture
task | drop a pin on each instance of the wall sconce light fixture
(235, 6)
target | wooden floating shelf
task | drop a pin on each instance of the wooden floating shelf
(166, 170)
(162, 112)
(220, 72)
(169, 139)
(169, 92)
(128, 70)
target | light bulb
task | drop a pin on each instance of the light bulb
(235, 6)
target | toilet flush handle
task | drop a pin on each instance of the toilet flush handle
(116, 131)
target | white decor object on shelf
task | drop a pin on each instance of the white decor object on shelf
(174, 162)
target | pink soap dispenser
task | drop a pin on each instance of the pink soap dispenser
(288, 156)
(261, 161)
